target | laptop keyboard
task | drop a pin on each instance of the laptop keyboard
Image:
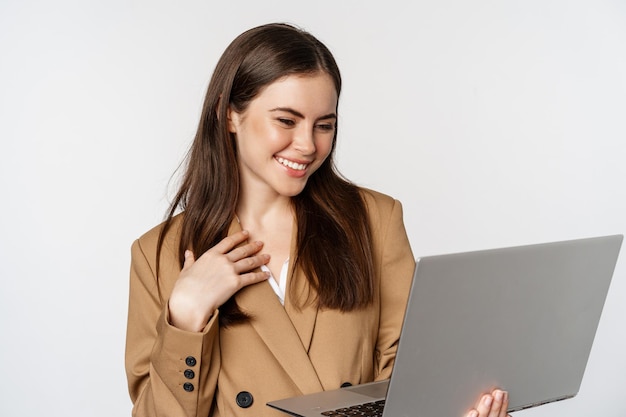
(373, 409)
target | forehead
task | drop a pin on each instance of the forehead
(312, 94)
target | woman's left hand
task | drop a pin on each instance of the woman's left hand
(491, 405)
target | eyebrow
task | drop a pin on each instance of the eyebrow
(300, 115)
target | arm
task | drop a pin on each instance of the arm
(157, 352)
(397, 267)
(396, 272)
(172, 344)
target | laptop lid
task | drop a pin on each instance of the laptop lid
(520, 318)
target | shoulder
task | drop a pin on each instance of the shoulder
(385, 214)
(148, 242)
(378, 203)
(144, 256)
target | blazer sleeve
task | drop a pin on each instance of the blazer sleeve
(396, 273)
(170, 372)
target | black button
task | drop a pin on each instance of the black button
(189, 374)
(244, 399)
(188, 387)
(190, 361)
(346, 384)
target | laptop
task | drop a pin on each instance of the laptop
(521, 318)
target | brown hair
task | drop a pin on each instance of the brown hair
(334, 239)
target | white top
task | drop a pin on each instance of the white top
(279, 285)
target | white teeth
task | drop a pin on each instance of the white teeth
(291, 164)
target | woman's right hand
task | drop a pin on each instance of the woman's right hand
(208, 282)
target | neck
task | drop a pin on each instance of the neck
(264, 211)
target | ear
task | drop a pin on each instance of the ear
(229, 116)
(233, 120)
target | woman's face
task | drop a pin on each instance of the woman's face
(285, 134)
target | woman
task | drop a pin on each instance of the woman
(279, 277)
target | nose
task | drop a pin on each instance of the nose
(304, 140)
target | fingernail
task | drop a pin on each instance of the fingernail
(499, 395)
(473, 413)
(487, 400)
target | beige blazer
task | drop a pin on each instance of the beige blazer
(280, 352)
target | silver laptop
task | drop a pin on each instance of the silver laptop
(521, 318)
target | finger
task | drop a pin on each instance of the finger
(189, 259)
(251, 262)
(253, 277)
(472, 413)
(484, 405)
(505, 405)
(229, 242)
(497, 404)
(244, 251)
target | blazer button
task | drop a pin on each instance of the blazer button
(346, 384)
(244, 399)
(190, 361)
(188, 387)
(189, 374)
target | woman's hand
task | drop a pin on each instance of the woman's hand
(208, 282)
(491, 405)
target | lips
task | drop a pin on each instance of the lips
(291, 164)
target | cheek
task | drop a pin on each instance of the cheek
(259, 137)
(324, 147)
(272, 136)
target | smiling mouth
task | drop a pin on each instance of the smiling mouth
(290, 164)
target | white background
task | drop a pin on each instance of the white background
(495, 123)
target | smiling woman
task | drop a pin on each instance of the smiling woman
(279, 277)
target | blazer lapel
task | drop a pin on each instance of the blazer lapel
(298, 299)
(271, 322)
(301, 312)
(288, 336)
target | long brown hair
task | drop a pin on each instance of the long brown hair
(334, 240)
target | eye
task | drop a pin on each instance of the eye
(286, 122)
(325, 127)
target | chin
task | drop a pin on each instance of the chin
(292, 194)
(292, 191)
